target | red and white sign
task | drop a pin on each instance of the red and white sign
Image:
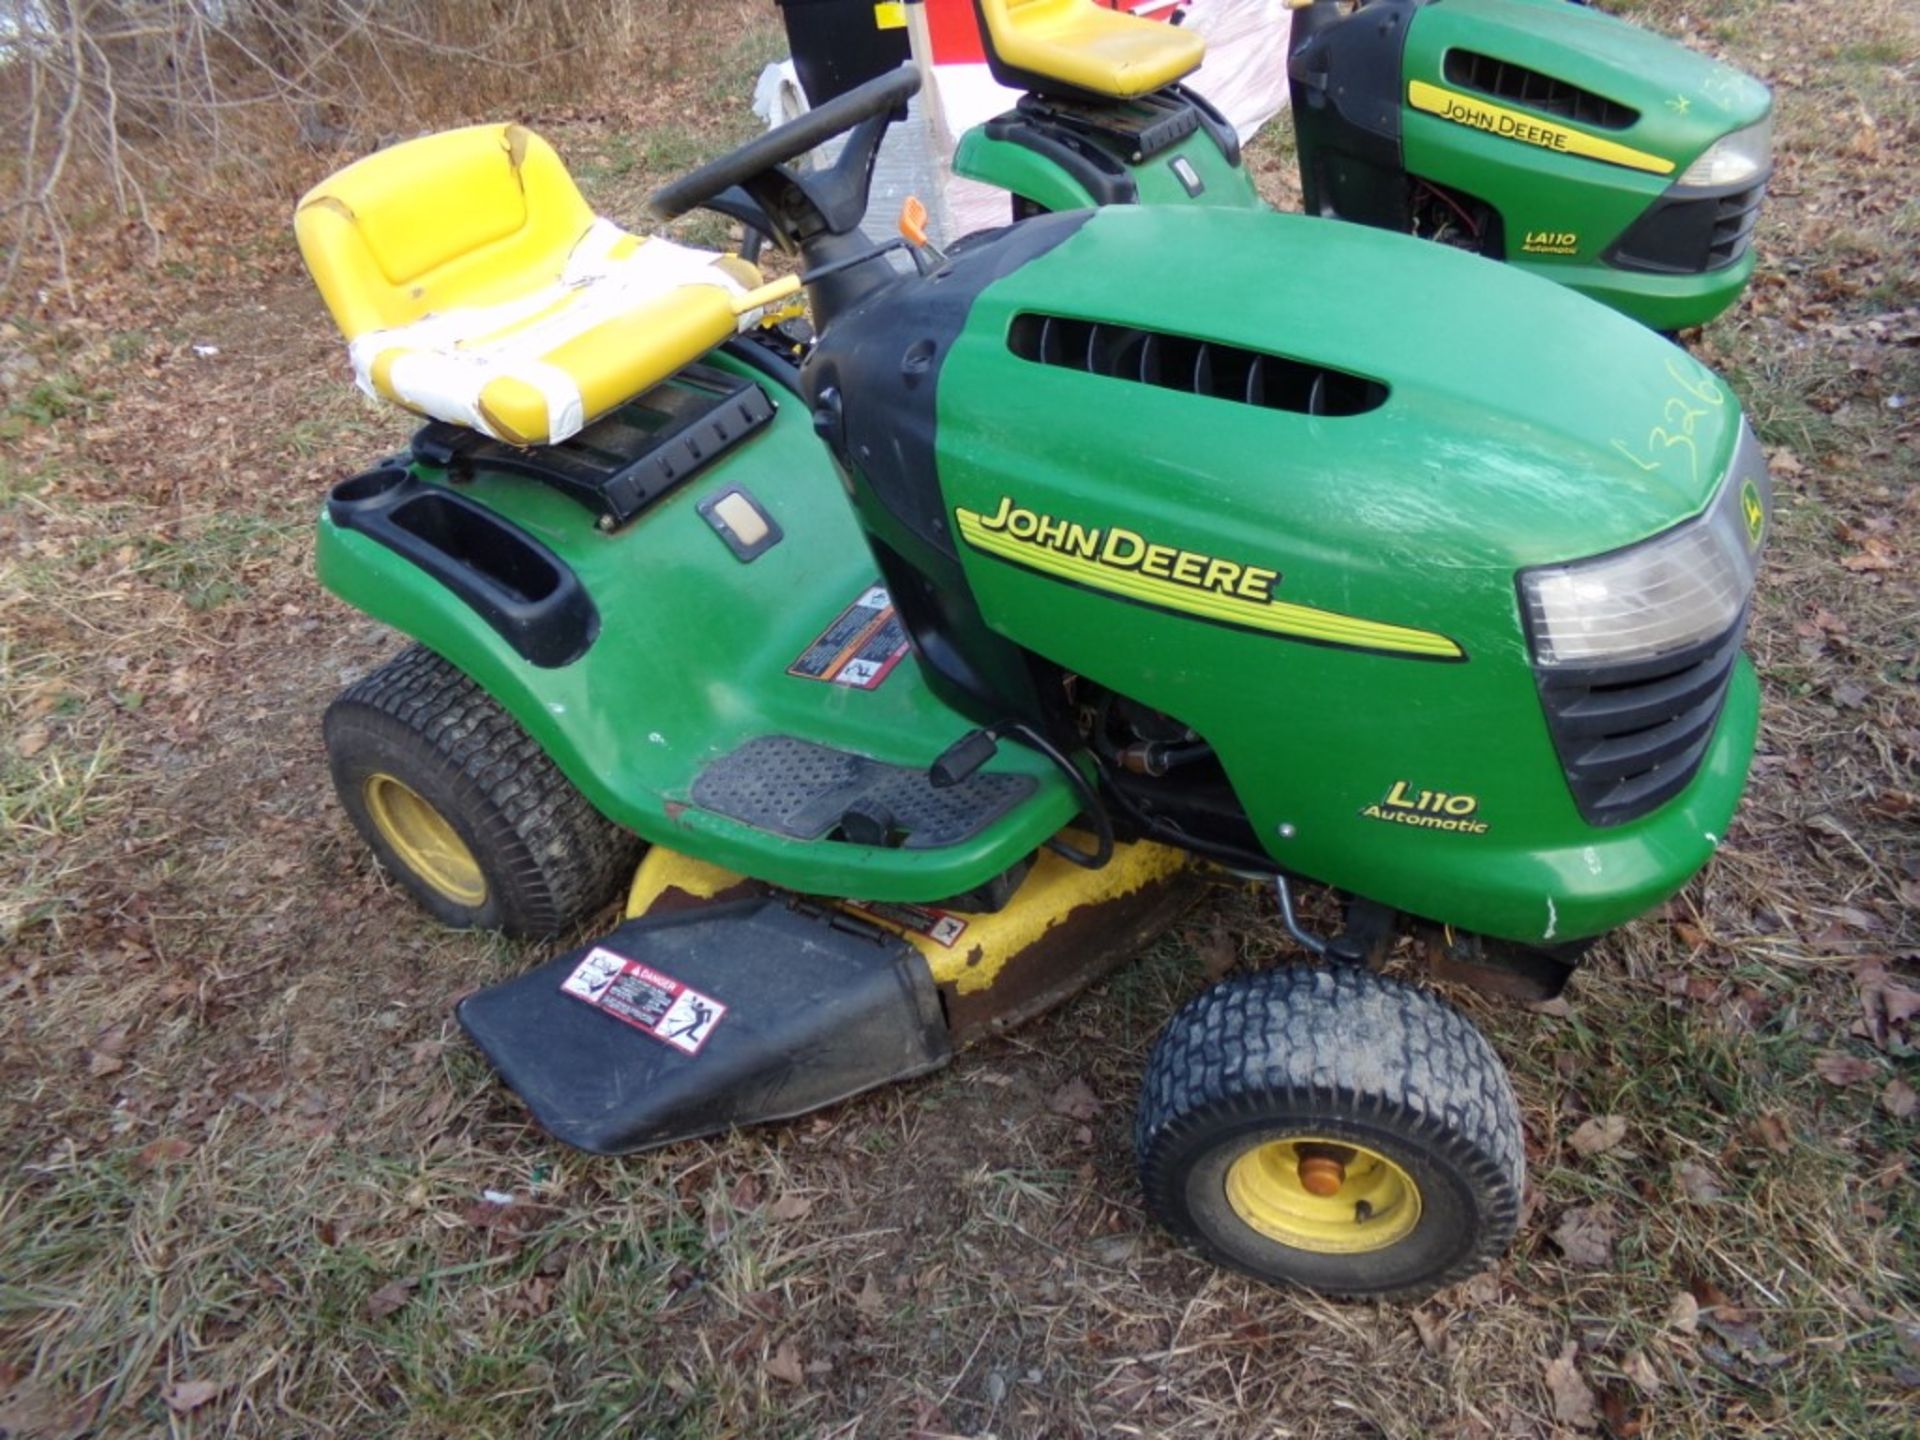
(658, 1004)
(955, 29)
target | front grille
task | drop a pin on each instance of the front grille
(1504, 80)
(1630, 737)
(1734, 219)
(1688, 232)
(1198, 367)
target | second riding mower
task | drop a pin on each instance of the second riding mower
(935, 670)
(1545, 134)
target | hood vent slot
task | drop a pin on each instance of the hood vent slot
(1503, 81)
(1196, 367)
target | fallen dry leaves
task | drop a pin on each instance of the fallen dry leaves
(1683, 1313)
(1432, 1329)
(167, 1150)
(1774, 1131)
(1598, 1135)
(390, 1298)
(791, 1206)
(183, 1397)
(1572, 1397)
(1887, 1006)
(1840, 1069)
(1586, 1234)
(784, 1364)
(1639, 1369)
(1697, 1182)
(1075, 1100)
(1899, 1100)
(1740, 1332)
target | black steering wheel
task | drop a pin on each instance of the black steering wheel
(880, 97)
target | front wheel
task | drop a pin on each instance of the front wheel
(1332, 1129)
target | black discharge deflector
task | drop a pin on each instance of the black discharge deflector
(818, 1007)
(629, 457)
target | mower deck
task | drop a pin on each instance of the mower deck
(721, 1002)
(1057, 928)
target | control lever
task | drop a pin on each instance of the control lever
(927, 257)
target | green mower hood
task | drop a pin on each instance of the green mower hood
(1500, 421)
(1666, 102)
(1595, 153)
(1280, 478)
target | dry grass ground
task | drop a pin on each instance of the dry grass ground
(246, 1158)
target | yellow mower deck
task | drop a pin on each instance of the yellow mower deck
(1064, 928)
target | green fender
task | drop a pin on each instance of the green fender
(694, 657)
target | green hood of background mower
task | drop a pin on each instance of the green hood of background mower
(1685, 100)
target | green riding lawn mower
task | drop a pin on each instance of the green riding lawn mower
(1542, 133)
(909, 689)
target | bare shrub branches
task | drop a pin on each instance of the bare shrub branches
(100, 100)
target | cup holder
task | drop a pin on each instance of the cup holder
(369, 487)
(510, 580)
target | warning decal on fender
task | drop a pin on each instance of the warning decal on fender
(937, 925)
(645, 999)
(860, 648)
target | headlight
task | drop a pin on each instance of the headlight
(1677, 590)
(1734, 159)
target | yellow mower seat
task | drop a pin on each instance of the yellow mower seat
(1086, 47)
(474, 284)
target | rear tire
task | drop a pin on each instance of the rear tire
(463, 808)
(1339, 1071)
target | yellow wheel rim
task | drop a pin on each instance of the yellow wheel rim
(1328, 1196)
(424, 842)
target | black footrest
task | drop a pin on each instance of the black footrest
(629, 457)
(795, 787)
(681, 1025)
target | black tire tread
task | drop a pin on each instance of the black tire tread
(568, 858)
(1365, 1045)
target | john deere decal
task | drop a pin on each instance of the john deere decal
(1529, 129)
(1123, 562)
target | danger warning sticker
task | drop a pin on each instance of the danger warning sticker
(860, 648)
(937, 925)
(645, 999)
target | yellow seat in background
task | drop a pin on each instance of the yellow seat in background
(1087, 47)
(474, 284)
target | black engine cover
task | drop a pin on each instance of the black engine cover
(1345, 75)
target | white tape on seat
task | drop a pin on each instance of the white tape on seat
(566, 410)
(448, 358)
